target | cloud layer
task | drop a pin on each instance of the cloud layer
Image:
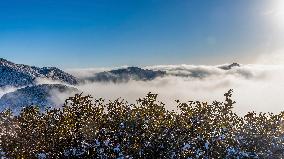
(256, 87)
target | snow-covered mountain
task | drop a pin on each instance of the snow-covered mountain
(39, 95)
(17, 75)
(30, 93)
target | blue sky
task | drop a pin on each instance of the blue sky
(106, 33)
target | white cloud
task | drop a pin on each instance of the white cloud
(40, 81)
(256, 87)
(88, 72)
(7, 90)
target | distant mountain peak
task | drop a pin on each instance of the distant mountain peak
(230, 66)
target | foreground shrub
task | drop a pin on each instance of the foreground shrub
(86, 128)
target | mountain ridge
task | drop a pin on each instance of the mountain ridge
(126, 74)
(23, 75)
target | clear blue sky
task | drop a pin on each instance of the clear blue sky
(98, 33)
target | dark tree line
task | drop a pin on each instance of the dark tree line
(86, 128)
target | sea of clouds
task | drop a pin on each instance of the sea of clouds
(256, 87)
